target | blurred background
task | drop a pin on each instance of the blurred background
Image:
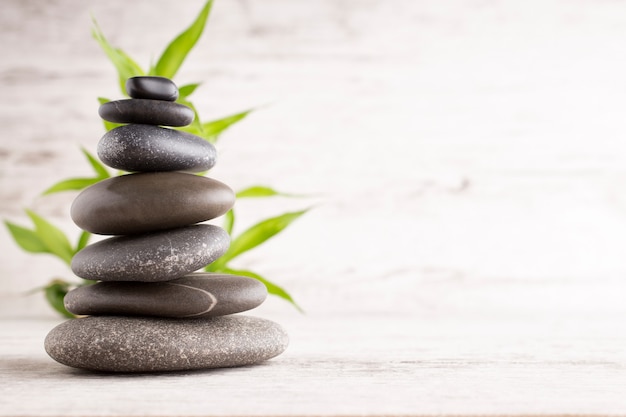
(463, 157)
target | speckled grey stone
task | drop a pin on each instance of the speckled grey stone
(150, 87)
(194, 295)
(149, 148)
(152, 257)
(146, 202)
(126, 344)
(150, 112)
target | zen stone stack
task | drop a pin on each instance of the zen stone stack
(150, 310)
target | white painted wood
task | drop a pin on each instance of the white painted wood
(450, 141)
(466, 252)
(352, 365)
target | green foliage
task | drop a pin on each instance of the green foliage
(52, 238)
(55, 292)
(261, 191)
(76, 184)
(249, 239)
(125, 66)
(211, 130)
(187, 90)
(43, 238)
(271, 287)
(26, 239)
(176, 52)
(46, 238)
(254, 236)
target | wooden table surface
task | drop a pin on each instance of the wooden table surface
(352, 365)
(467, 254)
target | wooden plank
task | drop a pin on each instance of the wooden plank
(361, 365)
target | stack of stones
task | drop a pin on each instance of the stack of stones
(150, 311)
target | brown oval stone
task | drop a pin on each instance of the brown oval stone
(194, 295)
(145, 202)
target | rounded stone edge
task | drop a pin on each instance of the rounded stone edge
(129, 114)
(56, 347)
(119, 149)
(134, 93)
(224, 301)
(102, 216)
(97, 272)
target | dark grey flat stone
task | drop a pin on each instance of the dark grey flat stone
(148, 148)
(149, 112)
(125, 344)
(150, 87)
(194, 295)
(146, 202)
(152, 257)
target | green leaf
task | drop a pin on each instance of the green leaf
(97, 166)
(211, 130)
(187, 90)
(108, 125)
(229, 221)
(271, 287)
(26, 239)
(72, 184)
(195, 124)
(52, 237)
(256, 235)
(83, 240)
(76, 184)
(126, 67)
(55, 292)
(260, 191)
(176, 52)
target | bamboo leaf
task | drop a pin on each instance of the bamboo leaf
(126, 67)
(229, 221)
(176, 52)
(256, 235)
(72, 184)
(195, 124)
(76, 184)
(187, 90)
(271, 287)
(256, 191)
(26, 239)
(52, 237)
(108, 125)
(193, 128)
(55, 293)
(83, 240)
(97, 166)
(211, 130)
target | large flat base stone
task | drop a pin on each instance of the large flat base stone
(125, 344)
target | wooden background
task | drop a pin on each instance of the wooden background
(466, 161)
(456, 150)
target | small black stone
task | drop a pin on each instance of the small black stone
(154, 88)
(152, 257)
(149, 112)
(148, 148)
(194, 295)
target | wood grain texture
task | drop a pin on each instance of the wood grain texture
(465, 255)
(352, 365)
(453, 143)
